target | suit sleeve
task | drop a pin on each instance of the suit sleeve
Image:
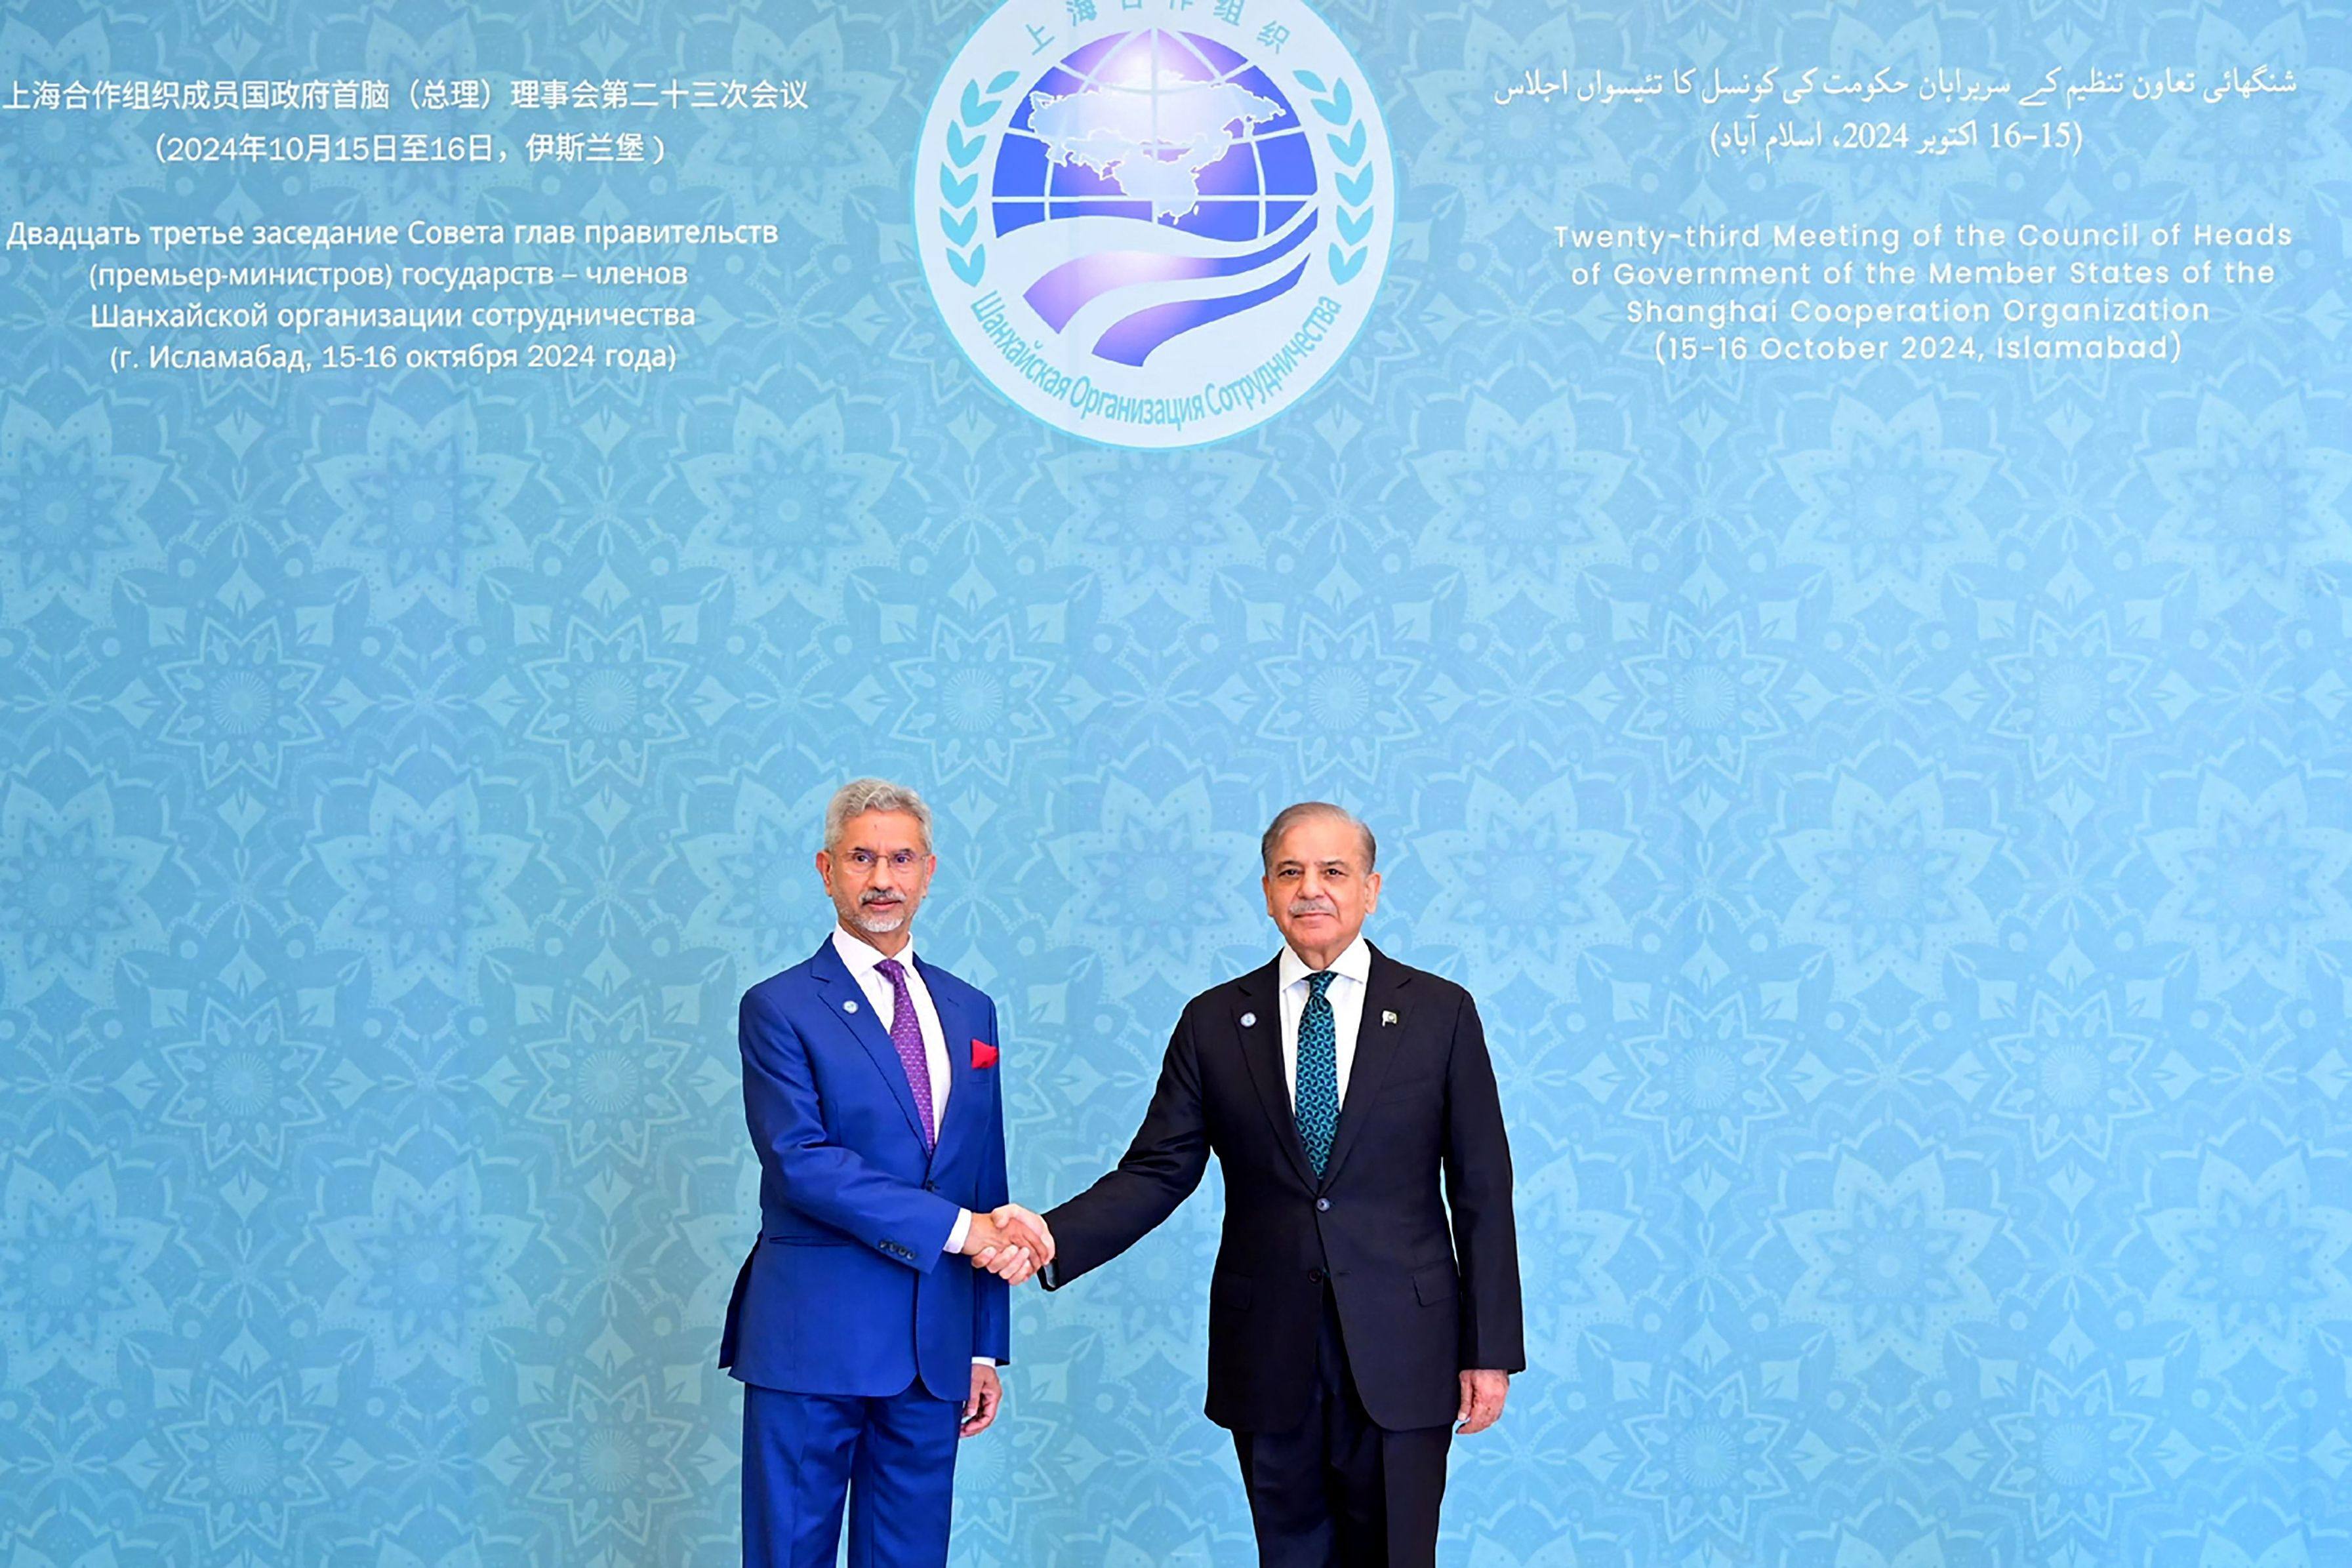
(991, 1305)
(1477, 1158)
(820, 1178)
(1161, 1166)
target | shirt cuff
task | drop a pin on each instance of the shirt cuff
(986, 1361)
(962, 1229)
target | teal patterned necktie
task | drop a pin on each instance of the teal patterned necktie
(1319, 1071)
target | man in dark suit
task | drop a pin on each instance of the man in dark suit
(1350, 1325)
(870, 1086)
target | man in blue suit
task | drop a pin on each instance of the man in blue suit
(866, 1344)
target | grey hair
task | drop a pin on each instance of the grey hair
(1290, 816)
(862, 795)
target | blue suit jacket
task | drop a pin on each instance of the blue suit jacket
(847, 1291)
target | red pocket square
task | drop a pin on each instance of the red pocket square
(982, 1055)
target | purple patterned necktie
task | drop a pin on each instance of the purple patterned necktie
(908, 1036)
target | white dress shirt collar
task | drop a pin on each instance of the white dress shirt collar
(862, 956)
(1354, 962)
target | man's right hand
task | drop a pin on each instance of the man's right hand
(1010, 1243)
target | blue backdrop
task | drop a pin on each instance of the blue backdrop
(1894, 820)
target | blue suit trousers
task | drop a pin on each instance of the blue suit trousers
(893, 1457)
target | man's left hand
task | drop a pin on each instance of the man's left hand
(1483, 1393)
(987, 1398)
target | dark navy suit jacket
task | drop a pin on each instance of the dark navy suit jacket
(847, 1291)
(1426, 1284)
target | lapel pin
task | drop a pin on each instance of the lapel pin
(1248, 1019)
(849, 1007)
(1387, 1017)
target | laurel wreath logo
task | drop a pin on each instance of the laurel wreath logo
(960, 192)
(968, 139)
(1348, 143)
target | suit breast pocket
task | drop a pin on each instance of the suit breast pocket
(1429, 1086)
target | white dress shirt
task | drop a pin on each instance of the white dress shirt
(1352, 971)
(864, 960)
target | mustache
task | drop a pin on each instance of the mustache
(1313, 907)
(877, 897)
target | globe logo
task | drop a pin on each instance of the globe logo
(1168, 128)
(1164, 233)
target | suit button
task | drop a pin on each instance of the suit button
(930, 1187)
(1322, 1205)
(1315, 1276)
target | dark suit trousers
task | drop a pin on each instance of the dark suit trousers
(1336, 1491)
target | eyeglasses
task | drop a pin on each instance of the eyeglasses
(866, 859)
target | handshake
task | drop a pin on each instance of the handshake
(1010, 1242)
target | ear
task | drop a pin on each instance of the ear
(824, 870)
(1371, 893)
